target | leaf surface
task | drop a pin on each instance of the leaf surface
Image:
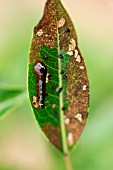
(57, 79)
(10, 98)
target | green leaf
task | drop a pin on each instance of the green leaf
(57, 79)
(10, 98)
(7, 93)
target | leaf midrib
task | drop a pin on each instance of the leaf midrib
(62, 125)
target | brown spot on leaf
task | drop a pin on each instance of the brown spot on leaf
(53, 106)
(65, 38)
(77, 81)
(45, 33)
(53, 133)
(79, 100)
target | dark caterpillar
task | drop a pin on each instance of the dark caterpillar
(40, 71)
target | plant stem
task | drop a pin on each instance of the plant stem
(68, 162)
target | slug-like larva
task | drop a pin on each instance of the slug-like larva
(40, 72)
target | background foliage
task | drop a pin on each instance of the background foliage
(22, 146)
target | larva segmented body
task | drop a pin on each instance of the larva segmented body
(40, 72)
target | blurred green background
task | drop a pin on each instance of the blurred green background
(22, 146)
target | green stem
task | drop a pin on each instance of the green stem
(68, 162)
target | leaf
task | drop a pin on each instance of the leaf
(7, 93)
(57, 79)
(10, 98)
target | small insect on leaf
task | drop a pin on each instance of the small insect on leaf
(40, 72)
(57, 78)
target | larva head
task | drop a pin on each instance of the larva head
(40, 69)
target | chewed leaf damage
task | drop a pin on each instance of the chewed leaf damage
(58, 82)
